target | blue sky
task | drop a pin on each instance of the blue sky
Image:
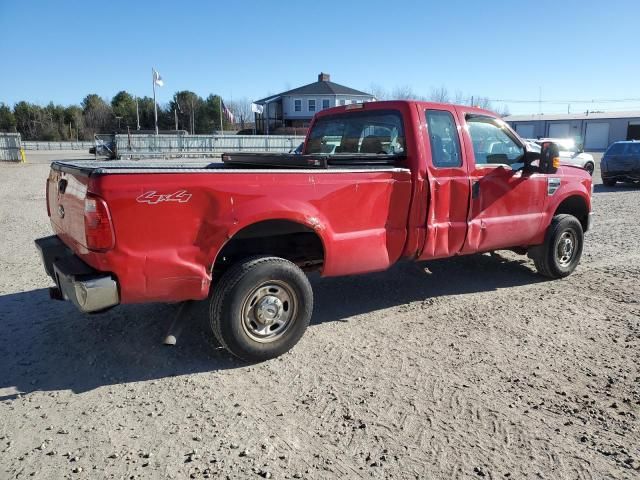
(576, 50)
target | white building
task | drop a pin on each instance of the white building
(296, 108)
(595, 130)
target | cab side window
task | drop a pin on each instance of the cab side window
(443, 137)
(492, 145)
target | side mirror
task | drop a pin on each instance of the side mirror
(549, 158)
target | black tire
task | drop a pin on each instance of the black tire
(609, 182)
(261, 287)
(590, 167)
(552, 258)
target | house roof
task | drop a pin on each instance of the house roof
(572, 116)
(321, 87)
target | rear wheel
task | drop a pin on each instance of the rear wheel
(261, 307)
(609, 182)
(560, 253)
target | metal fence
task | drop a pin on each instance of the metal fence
(161, 145)
(10, 147)
(130, 145)
(37, 145)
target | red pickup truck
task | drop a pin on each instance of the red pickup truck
(376, 183)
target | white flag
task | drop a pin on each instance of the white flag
(157, 79)
(255, 108)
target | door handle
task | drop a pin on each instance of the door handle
(475, 189)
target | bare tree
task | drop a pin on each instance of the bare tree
(378, 91)
(503, 110)
(460, 98)
(241, 109)
(440, 95)
(404, 92)
(482, 102)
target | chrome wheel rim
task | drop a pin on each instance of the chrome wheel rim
(269, 311)
(566, 248)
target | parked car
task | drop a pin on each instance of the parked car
(621, 163)
(242, 233)
(571, 153)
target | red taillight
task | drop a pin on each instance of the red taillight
(97, 224)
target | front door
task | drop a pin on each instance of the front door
(448, 184)
(506, 206)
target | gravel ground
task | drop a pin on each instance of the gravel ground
(474, 367)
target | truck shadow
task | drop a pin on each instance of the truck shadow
(619, 187)
(49, 346)
(343, 297)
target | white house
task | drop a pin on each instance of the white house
(296, 108)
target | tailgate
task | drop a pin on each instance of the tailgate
(66, 193)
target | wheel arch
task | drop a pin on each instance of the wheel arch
(577, 206)
(299, 240)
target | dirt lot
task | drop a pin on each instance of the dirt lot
(473, 368)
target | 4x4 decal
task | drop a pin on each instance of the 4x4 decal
(153, 198)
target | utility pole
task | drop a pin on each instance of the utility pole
(175, 115)
(539, 100)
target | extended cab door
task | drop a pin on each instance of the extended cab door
(448, 180)
(506, 207)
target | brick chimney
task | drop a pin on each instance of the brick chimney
(324, 77)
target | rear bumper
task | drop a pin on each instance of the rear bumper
(88, 289)
(621, 175)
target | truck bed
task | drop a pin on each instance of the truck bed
(232, 164)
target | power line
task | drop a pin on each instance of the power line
(594, 100)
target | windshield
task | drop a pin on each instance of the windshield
(377, 132)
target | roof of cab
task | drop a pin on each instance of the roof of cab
(397, 103)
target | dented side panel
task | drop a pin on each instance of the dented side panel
(170, 227)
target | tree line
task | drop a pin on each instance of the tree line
(186, 109)
(99, 115)
(439, 94)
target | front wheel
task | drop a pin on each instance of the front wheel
(261, 307)
(560, 253)
(609, 182)
(590, 167)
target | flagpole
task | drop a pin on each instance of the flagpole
(155, 105)
(221, 124)
(137, 115)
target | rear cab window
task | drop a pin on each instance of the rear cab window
(443, 138)
(375, 133)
